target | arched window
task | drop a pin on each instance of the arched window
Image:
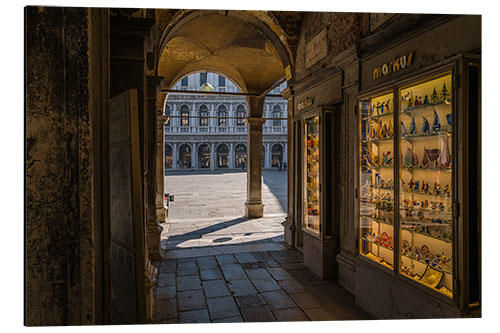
(204, 156)
(240, 156)
(184, 116)
(276, 155)
(168, 157)
(203, 116)
(240, 113)
(184, 157)
(276, 114)
(222, 114)
(167, 113)
(222, 156)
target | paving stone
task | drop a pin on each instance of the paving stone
(236, 319)
(291, 314)
(305, 300)
(168, 266)
(215, 288)
(166, 280)
(278, 300)
(244, 258)
(165, 309)
(291, 286)
(233, 272)
(279, 273)
(206, 262)
(165, 293)
(187, 269)
(222, 307)
(318, 314)
(191, 300)
(226, 259)
(210, 274)
(194, 316)
(249, 300)
(259, 313)
(262, 280)
(188, 282)
(241, 287)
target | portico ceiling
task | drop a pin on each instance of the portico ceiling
(225, 42)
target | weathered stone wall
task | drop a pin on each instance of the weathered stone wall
(59, 204)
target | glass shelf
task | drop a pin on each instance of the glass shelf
(377, 116)
(440, 197)
(411, 138)
(407, 168)
(427, 235)
(412, 109)
(442, 270)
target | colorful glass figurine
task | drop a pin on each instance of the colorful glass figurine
(444, 157)
(378, 130)
(406, 98)
(430, 157)
(404, 132)
(425, 127)
(418, 101)
(448, 118)
(411, 159)
(390, 131)
(434, 96)
(413, 130)
(371, 131)
(387, 109)
(416, 189)
(410, 185)
(382, 108)
(436, 126)
(444, 92)
(446, 190)
(426, 100)
(387, 159)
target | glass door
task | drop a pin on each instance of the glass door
(376, 199)
(425, 183)
(312, 174)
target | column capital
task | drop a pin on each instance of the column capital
(255, 123)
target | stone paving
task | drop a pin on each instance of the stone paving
(222, 267)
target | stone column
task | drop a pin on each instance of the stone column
(254, 206)
(267, 158)
(161, 211)
(174, 156)
(231, 155)
(212, 157)
(285, 154)
(194, 155)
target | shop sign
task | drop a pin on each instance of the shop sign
(305, 103)
(316, 49)
(396, 64)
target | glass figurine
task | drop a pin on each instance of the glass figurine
(404, 132)
(413, 130)
(448, 118)
(426, 100)
(434, 96)
(436, 126)
(425, 127)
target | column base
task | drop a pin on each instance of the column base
(254, 210)
(156, 253)
(161, 213)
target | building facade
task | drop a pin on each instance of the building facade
(209, 131)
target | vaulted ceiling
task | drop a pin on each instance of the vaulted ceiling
(246, 46)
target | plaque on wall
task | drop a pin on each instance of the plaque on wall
(316, 49)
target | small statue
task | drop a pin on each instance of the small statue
(446, 190)
(418, 100)
(416, 189)
(444, 92)
(437, 188)
(426, 191)
(413, 129)
(387, 105)
(425, 127)
(404, 132)
(434, 96)
(410, 185)
(382, 108)
(387, 159)
(436, 126)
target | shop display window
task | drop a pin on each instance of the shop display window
(312, 176)
(425, 183)
(422, 215)
(376, 179)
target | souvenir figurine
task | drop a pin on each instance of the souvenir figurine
(387, 159)
(425, 127)
(436, 126)
(418, 100)
(378, 130)
(404, 132)
(410, 185)
(382, 108)
(444, 92)
(411, 159)
(430, 157)
(390, 131)
(426, 100)
(378, 108)
(448, 118)
(426, 191)
(412, 126)
(444, 157)
(446, 190)
(383, 131)
(387, 106)
(434, 96)
(406, 98)
(416, 189)
(371, 131)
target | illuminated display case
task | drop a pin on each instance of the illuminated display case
(317, 158)
(417, 192)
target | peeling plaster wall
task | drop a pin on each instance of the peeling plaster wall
(59, 257)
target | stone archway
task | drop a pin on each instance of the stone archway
(184, 160)
(222, 151)
(276, 155)
(168, 157)
(204, 156)
(240, 156)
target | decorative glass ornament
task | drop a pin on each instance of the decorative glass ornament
(413, 129)
(425, 127)
(390, 131)
(387, 159)
(436, 126)
(411, 159)
(448, 118)
(404, 132)
(444, 157)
